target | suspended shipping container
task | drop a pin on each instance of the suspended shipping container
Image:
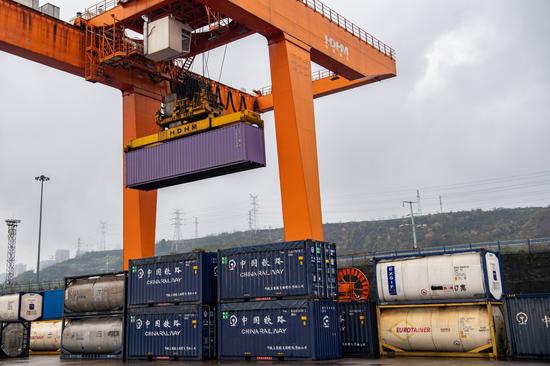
(21, 306)
(359, 329)
(279, 330)
(300, 269)
(93, 338)
(183, 332)
(440, 278)
(205, 155)
(176, 278)
(95, 295)
(14, 339)
(52, 305)
(528, 321)
(464, 330)
(46, 336)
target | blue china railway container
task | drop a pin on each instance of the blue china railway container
(205, 155)
(52, 305)
(359, 329)
(528, 325)
(279, 330)
(299, 269)
(178, 278)
(182, 332)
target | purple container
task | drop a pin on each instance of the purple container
(210, 154)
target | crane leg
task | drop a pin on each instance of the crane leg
(140, 208)
(296, 141)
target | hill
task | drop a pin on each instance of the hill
(351, 237)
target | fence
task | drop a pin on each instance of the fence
(31, 287)
(527, 245)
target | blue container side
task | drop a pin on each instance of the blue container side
(280, 270)
(528, 325)
(52, 304)
(180, 278)
(284, 329)
(359, 329)
(182, 332)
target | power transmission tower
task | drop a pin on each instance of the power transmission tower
(12, 241)
(418, 204)
(253, 213)
(415, 243)
(103, 232)
(78, 247)
(441, 203)
(196, 222)
(177, 223)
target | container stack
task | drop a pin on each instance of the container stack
(172, 307)
(16, 313)
(441, 305)
(93, 319)
(278, 302)
(46, 333)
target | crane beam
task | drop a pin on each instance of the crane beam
(32, 35)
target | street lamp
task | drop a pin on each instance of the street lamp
(42, 178)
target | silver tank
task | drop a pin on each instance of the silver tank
(93, 294)
(13, 340)
(93, 336)
(46, 336)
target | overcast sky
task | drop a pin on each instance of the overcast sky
(466, 118)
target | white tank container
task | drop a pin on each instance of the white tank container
(93, 336)
(46, 336)
(13, 340)
(9, 307)
(31, 306)
(95, 294)
(440, 277)
(440, 329)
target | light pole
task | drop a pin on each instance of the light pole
(42, 178)
(415, 243)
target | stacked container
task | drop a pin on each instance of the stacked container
(93, 319)
(45, 335)
(171, 307)
(278, 302)
(441, 305)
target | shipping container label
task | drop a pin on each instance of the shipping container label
(392, 286)
(257, 267)
(167, 275)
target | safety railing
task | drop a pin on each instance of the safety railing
(99, 8)
(31, 286)
(350, 27)
(315, 76)
(528, 246)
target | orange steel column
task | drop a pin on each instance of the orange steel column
(140, 208)
(296, 141)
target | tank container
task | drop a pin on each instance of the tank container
(440, 278)
(93, 338)
(46, 336)
(14, 339)
(103, 294)
(21, 306)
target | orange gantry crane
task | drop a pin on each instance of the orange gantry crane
(96, 46)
